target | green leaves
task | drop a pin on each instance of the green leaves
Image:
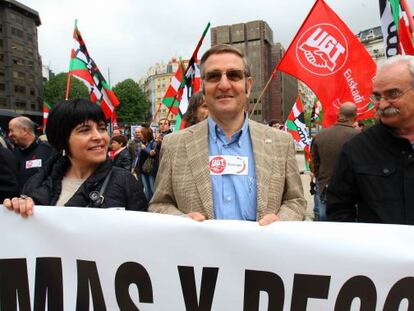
(134, 105)
(55, 89)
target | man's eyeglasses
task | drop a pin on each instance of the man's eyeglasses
(390, 96)
(233, 75)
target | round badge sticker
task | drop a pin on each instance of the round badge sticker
(217, 165)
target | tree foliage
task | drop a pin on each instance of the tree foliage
(55, 88)
(134, 105)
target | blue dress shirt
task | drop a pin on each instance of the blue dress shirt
(234, 196)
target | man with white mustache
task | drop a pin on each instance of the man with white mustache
(374, 176)
(227, 166)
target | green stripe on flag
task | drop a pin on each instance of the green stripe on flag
(77, 64)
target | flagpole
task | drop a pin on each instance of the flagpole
(263, 91)
(70, 66)
(193, 56)
(156, 113)
(407, 9)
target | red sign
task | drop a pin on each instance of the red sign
(329, 58)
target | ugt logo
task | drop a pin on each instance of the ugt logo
(322, 49)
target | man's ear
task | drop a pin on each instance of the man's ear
(248, 86)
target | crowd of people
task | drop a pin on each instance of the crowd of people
(223, 165)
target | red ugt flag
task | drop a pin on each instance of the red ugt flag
(328, 57)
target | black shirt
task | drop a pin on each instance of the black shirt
(32, 158)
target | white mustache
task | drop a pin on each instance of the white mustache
(388, 112)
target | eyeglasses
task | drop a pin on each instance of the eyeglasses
(390, 96)
(233, 75)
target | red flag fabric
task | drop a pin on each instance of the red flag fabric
(46, 108)
(296, 126)
(329, 58)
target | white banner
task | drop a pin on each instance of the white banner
(89, 259)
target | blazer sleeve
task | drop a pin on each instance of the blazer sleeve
(163, 200)
(293, 205)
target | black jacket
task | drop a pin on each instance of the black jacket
(123, 160)
(123, 189)
(375, 170)
(38, 150)
(9, 175)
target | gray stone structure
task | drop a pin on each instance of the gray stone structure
(20, 62)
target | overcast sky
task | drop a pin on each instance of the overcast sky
(129, 36)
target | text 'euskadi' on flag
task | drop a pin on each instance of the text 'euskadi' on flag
(83, 67)
(329, 58)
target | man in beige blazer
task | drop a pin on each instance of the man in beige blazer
(184, 181)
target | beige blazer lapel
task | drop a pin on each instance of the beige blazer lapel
(197, 152)
(262, 149)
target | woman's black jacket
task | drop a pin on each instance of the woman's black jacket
(123, 189)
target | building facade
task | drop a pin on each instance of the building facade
(20, 62)
(372, 39)
(255, 40)
(155, 83)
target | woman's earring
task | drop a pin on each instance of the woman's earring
(63, 152)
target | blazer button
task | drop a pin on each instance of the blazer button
(385, 170)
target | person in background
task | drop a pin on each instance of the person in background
(197, 110)
(325, 149)
(78, 174)
(134, 148)
(148, 152)
(121, 157)
(164, 127)
(274, 123)
(116, 132)
(31, 153)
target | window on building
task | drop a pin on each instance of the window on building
(1, 42)
(3, 102)
(18, 75)
(18, 61)
(20, 89)
(1, 27)
(32, 92)
(17, 18)
(20, 103)
(2, 87)
(17, 32)
(17, 47)
(1, 58)
(29, 50)
(30, 77)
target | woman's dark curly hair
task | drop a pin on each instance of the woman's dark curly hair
(195, 102)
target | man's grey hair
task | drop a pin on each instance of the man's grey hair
(409, 59)
(25, 122)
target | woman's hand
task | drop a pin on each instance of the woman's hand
(22, 205)
(152, 153)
